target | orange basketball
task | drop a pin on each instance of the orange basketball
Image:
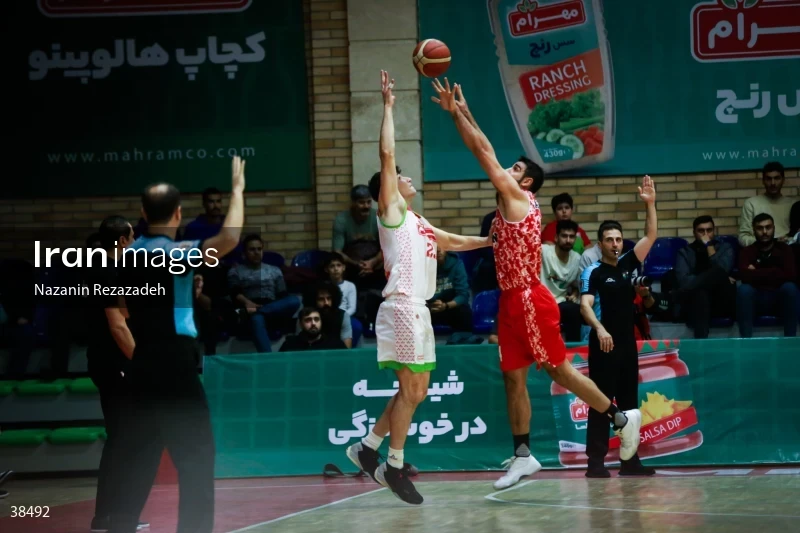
(431, 58)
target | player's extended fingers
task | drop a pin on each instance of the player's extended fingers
(435, 100)
(437, 85)
(447, 84)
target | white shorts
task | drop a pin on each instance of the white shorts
(405, 335)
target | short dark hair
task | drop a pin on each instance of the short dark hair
(306, 311)
(209, 191)
(702, 219)
(93, 239)
(563, 198)
(606, 226)
(313, 290)
(772, 166)
(534, 171)
(761, 218)
(331, 257)
(160, 201)
(252, 237)
(568, 225)
(359, 192)
(375, 184)
(112, 229)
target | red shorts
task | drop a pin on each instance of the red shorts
(529, 329)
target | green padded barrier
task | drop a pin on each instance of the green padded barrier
(83, 386)
(7, 387)
(34, 387)
(23, 437)
(85, 435)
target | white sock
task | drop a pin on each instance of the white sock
(395, 458)
(372, 441)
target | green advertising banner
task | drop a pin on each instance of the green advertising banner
(592, 88)
(708, 402)
(108, 97)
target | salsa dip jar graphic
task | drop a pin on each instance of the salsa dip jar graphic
(555, 66)
(669, 418)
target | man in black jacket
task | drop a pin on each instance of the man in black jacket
(327, 298)
(703, 274)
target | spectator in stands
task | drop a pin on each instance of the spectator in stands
(703, 274)
(355, 238)
(794, 224)
(485, 273)
(311, 336)
(562, 208)
(335, 268)
(208, 224)
(260, 290)
(16, 279)
(560, 273)
(449, 305)
(767, 271)
(772, 203)
(327, 299)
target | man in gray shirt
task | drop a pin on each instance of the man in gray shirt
(261, 290)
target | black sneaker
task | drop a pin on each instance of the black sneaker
(598, 472)
(398, 481)
(635, 468)
(364, 457)
(101, 524)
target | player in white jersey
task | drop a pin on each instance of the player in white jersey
(403, 327)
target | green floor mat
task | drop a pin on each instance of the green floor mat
(23, 437)
(34, 387)
(84, 435)
(83, 386)
(7, 387)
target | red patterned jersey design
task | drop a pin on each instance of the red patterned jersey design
(518, 248)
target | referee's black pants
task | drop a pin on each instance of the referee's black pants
(170, 402)
(616, 374)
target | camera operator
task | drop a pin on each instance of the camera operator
(607, 295)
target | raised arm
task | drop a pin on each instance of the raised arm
(390, 203)
(227, 239)
(453, 101)
(459, 243)
(647, 192)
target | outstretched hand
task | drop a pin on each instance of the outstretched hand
(237, 174)
(647, 192)
(387, 85)
(446, 95)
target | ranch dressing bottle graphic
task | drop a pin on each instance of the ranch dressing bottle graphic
(555, 66)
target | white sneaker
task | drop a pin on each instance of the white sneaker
(629, 435)
(518, 467)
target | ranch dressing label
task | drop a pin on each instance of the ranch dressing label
(555, 67)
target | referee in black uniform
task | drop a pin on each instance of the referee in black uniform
(167, 391)
(607, 295)
(109, 352)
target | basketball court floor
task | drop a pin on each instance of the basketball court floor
(761, 499)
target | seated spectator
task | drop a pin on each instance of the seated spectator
(767, 271)
(772, 203)
(562, 208)
(335, 268)
(703, 274)
(327, 299)
(560, 274)
(794, 224)
(208, 224)
(590, 256)
(355, 238)
(261, 291)
(310, 336)
(485, 271)
(449, 305)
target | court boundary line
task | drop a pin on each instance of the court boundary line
(305, 511)
(492, 497)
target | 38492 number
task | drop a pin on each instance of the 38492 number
(32, 511)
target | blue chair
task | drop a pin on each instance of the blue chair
(628, 244)
(766, 321)
(721, 322)
(310, 259)
(662, 256)
(442, 329)
(484, 311)
(470, 259)
(273, 258)
(733, 240)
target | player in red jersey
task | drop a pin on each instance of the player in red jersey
(529, 328)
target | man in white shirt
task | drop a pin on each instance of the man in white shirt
(560, 273)
(772, 202)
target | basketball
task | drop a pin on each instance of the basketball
(431, 58)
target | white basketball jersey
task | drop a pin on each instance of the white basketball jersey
(409, 258)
